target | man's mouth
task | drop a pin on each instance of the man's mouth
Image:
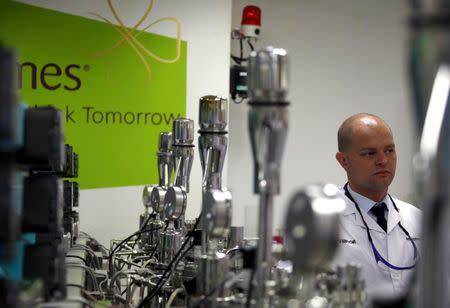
(384, 172)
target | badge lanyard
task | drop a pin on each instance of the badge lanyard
(377, 255)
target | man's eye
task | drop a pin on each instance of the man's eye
(371, 153)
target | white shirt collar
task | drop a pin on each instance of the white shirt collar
(364, 203)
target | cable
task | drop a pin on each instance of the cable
(152, 274)
(89, 296)
(178, 256)
(116, 276)
(85, 247)
(160, 284)
(238, 101)
(130, 294)
(89, 250)
(87, 269)
(124, 291)
(102, 282)
(241, 52)
(238, 60)
(141, 228)
(139, 232)
(133, 290)
(78, 257)
(173, 263)
(250, 44)
(172, 297)
(126, 239)
(241, 58)
(88, 236)
(156, 246)
(147, 262)
(123, 300)
(74, 285)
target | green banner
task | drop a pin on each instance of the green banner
(117, 87)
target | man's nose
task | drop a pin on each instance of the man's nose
(381, 158)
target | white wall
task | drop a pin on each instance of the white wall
(346, 56)
(205, 25)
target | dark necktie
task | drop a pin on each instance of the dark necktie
(379, 211)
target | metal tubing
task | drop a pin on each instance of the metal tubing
(164, 158)
(264, 260)
(431, 166)
(267, 123)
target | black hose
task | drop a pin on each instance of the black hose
(178, 257)
(127, 239)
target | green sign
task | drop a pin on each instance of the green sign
(117, 87)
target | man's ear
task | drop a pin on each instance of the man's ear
(342, 159)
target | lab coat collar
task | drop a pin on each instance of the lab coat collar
(393, 216)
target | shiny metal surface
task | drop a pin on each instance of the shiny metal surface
(213, 113)
(183, 132)
(268, 75)
(183, 152)
(157, 199)
(165, 142)
(236, 237)
(212, 272)
(170, 243)
(75, 230)
(268, 126)
(312, 226)
(213, 141)
(264, 249)
(350, 290)
(165, 158)
(432, 170)
(217, 207)
(212, 149)
(154, 227)
(175, 202)
(430, 77)
(146, 195)
(157, 227)
(424, 59)
(183, 158)
(216, 202)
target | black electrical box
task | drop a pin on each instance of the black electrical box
(44, 146)
(238, 82)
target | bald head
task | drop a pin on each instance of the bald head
(347, 128)
(367, 154)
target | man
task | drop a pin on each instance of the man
(378, 232)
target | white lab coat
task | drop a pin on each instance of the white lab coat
(393, 246)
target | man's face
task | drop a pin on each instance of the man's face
(370, 160)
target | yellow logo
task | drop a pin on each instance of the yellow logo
(130, 36)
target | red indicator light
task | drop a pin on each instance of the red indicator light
(251, 15)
